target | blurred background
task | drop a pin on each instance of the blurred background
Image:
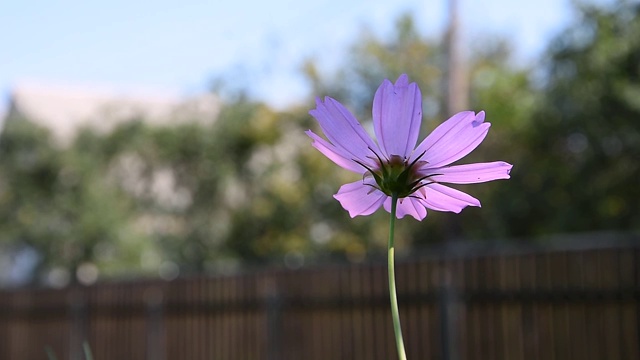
(165, 141)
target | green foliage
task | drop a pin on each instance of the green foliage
(505, 92)
(373, 59)
(581, 156)
(249, 187)
(57, 202)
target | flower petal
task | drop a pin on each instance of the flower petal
(408, 206)
(397, 115)
(453, 139)
(335, 154)
(472, 173)
(344, 131)
(358, 198)
(443, 198)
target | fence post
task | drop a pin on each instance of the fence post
(154, 299)
(78, 313)
(274, 321)
(447, 306)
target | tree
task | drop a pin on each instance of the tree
(251, 188)
(55, 202)
(502, 89)
(583, 147)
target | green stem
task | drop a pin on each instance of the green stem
(395, 314)
(87, 351)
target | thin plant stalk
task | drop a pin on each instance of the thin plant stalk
(50, 354)
(87, 351)
(395, 313)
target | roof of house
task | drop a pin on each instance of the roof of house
(66, 108)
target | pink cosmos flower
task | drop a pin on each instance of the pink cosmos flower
(393, 164)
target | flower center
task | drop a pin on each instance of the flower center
(397, 175)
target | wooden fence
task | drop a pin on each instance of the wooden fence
(456, 303)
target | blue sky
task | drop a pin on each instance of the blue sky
(171, 46)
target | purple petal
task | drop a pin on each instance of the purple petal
(443, 198)
(408, 206)
(453, 139)
(343, 130)
(472, 173)
(335, 154)
(397, 114)
(358, 198)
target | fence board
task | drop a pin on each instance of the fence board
(572, 303)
